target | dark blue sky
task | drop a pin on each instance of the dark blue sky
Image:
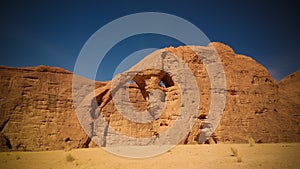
(53, 32)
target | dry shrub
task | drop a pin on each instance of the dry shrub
(68, 148)
(234, 151)
(69, 158)
(251, 141)
(239, 159)
(18, 157)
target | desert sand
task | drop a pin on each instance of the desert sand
(182, 156)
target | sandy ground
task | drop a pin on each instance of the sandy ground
(183, 156)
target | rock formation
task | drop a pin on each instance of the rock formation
(37, 111)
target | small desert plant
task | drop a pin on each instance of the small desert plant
(234, 151)
(18, 157)
(67, 148)
(69, 158)
(239, 159)
(251, 141)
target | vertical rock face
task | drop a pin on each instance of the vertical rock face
(252, 102)
(37, 109)
(37, 112)
(289, 104)
(255, 104)
(289, 94)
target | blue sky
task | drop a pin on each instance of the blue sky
(52, 32)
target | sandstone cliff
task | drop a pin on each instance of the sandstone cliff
(37, 111)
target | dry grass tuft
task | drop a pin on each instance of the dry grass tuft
(239, 159)
(67, 148)
(69, 158)
(18, 157)
(251, 141)
(234, 151)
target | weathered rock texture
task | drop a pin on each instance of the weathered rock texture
(289, 103)
(254, 106)
(37, 111)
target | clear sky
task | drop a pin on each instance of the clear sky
(53, 32)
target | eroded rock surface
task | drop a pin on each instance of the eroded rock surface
(37, 111)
